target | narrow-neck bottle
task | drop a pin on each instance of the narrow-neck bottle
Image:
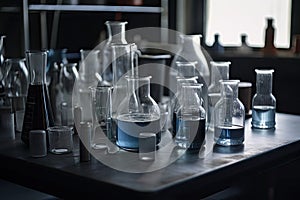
(229, 116)
(219, 71)
(263, 102)
(191, 118)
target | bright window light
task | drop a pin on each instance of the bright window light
(231, 18)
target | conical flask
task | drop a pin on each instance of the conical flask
(38, 113)
(137, 113)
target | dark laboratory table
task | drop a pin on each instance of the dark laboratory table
(190, 176)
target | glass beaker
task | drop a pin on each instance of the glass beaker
(191, 118)
(116, 35)
(229, 115)
(192, 51)
(219, 71)
(137, 113)
(263, 102)
(38, 112)
(102, 110)
(16, 83)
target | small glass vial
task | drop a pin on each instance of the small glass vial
(229, 115)
(263, 102)
(191, 119)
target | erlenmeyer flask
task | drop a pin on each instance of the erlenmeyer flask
(137, 113)
(116, 35)
(38, 112)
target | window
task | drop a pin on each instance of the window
(231, 18)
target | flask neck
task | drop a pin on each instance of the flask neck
(190, 42)
(264, 79)
(219, 71)
(191, 94)
(116, 32)
(37, 62)
(138, 86)
(229, 89)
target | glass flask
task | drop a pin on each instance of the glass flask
(191, 118)
(38, 112)
(177, 99)
(116, 35)
(16, 83)
(263, 102)
(88, 76)
(229, 116)
(54, 58)
(137, 113)
(67, 78)
(123, 65)
(219, 71)
(192, 51)
(102, 107)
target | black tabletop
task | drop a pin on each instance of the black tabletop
(188, 175)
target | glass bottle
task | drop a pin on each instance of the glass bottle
(219, 71)
(263, 102)
(269, 47)
(17, 82)
(137, 113)
(38, 112)
(67, 78)
(216, 46)
(229, 116)
(177, 99)
(54, 58)
(192, 51)
(116, 35)
(191, 118)
(123, 65)
(244, 48)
